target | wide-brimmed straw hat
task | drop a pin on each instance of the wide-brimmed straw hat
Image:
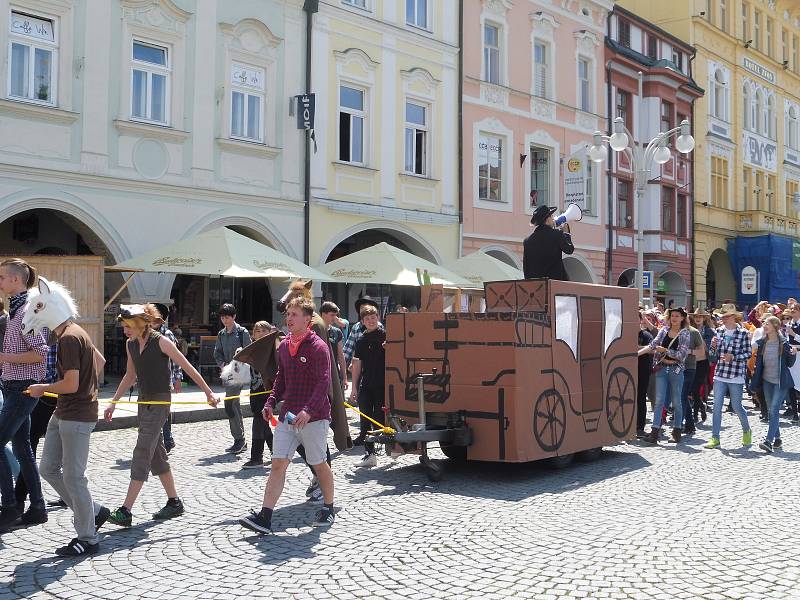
(726, 310)
(699, 312)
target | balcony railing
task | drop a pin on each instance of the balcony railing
(760, 221)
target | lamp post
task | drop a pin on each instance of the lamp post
(641, 160)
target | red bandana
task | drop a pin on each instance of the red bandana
(295, 341)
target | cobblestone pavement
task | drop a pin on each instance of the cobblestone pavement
(640, 522)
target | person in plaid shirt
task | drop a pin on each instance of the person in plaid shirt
(23, 361)
(670, 347)
(357, 331)
(301, 385)
(731, 349)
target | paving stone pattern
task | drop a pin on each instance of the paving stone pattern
(640, 522)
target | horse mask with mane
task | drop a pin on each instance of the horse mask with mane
(296, 288)
(49, 306)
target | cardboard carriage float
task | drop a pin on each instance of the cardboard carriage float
(548, 371)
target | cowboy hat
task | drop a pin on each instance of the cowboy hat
(726, 310)
(679, 309)
(699, 312)
(132, 311)
(365, 300)
(541, 213)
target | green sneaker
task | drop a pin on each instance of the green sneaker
(170, 511)
(747, 437)
(713, 443)
(123, 519)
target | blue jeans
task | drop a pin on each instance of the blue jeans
(688, 413)
(12, 460)
(668, 382)
(15, 426)
(735, 392)
(774, 396)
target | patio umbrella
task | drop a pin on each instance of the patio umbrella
(480, 267)
(383, 264)
(222, 252)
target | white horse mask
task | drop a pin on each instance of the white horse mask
(48, 307)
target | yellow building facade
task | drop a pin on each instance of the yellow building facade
(385, 75)
(747, 156)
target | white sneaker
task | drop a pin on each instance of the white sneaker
(369, 460)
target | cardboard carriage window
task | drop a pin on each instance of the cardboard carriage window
(567, 322)
(613, 310)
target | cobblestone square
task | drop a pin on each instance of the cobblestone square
(640, 522)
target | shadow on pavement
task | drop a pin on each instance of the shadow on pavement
(293, 536)
(121, 464)
(503, 481)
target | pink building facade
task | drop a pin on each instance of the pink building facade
(533, 93)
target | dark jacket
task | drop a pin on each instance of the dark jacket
(542, 253)
(786, 359)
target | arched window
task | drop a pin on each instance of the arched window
(769, 125)
(760, 118)
(720, 92)
(747, 108)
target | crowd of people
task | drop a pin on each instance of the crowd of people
(685, 358)
(50, 371)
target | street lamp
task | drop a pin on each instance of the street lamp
(641, 159)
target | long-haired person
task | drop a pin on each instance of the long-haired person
(774, 357)
(703, 323)
(149, 355)
(670, 347)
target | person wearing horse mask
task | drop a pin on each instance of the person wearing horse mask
(66, 442)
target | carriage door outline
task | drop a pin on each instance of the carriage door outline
(590, 354)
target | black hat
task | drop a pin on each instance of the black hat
(365, 300)
(541, 213)
(163, 309)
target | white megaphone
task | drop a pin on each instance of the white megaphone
(573, 213)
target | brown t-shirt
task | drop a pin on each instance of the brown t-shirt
(76, 353)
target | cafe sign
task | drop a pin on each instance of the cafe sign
(757, 69)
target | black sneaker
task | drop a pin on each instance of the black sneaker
(78, 548)
(763, 419)
(9, 516)
(34, 516)
(256, 521)
(238, 447)
(324, 518)
(788, 413)
(778, 443)
(57, 503)
(766, 446)
(359, 441)
(170, 511)
(101, 518)
(314, 485)
(253, 464)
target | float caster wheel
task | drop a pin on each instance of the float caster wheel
(432, 471)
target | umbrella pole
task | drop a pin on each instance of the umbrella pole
(116, 294)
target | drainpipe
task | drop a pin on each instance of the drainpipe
(460, 183)
(610, 187)
(609, 176)
(310, 7)
(693, 202)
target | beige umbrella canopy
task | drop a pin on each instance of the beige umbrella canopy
(384, 264)
(480, 267)
(222, 252)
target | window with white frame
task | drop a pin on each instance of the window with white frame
(247, 102)
(417, 13)
(490, 168)
(358, 3)
(541, 69)
(541, 164)
(416, 138)
(32, 58)
(491, 53)
(584, 84)
(792, 127)
(719, 93)
(769, 125)
(760, 121)
(150, 71)
(352, 118)
(589, 203)
(748, 107)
